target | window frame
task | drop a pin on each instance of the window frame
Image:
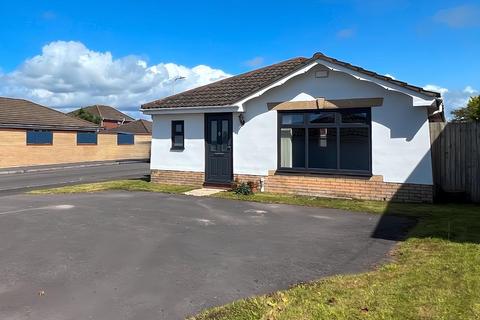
(125, 134)
(338, 125)
(175, 133)
(39, 143)
(87, 143)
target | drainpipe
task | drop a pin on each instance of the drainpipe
(262, 184)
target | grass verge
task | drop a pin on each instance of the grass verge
(435, 273)
(127, 185)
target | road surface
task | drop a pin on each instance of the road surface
(20, 182)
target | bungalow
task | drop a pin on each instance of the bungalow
(31, 134)
(315, 126)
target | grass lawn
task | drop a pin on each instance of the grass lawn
(435, 273)
(127, 185)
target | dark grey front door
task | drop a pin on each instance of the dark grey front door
(218, 148)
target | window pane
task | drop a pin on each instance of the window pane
(179, 128)
(125, 138)
(323, 117)
(213, 135)
(39, 137)
(354, 149)
(86, 138)
(292, 118)
(178, 141)
(292, 148)
(354, 117)
(225, 138)
(322, 148)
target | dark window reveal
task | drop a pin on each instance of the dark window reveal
(125, 138)
(336, 141)
(85, 137)
(39, 137)
(178, 135)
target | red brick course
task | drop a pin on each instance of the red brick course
(365, 188)
(190, 178)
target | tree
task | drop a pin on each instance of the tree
(85, 115)
(471, 112)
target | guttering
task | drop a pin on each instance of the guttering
(200, 109)
(46, 127)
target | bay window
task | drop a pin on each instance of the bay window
(330, 141)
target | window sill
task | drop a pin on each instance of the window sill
(177, 149)
(125, 144)
(39, 144)
(325, 172)
(87, 144)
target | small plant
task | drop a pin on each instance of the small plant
(243, 189)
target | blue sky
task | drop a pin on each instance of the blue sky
(434, 43)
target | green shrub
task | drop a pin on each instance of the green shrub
(243, 189)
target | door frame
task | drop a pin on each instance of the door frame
(229, 116)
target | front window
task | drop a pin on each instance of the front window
(178, 135)
(325, 141)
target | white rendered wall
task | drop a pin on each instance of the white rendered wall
(400, 133)
(192, 158)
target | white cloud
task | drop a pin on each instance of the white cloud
(346, 33)
(433, 87)
(255, 62)
(470, 90)
(455, 98)
(68, 75)
(459, 17)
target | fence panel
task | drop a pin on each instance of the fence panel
(456, 158)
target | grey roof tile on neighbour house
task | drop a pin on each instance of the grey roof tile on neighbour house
(231, 90)
(105, 112)
(136, 127)
(20, 113)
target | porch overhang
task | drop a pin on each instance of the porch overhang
(322, 103)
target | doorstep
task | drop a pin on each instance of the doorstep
(204, 192)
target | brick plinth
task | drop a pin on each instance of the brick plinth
(190, 178)
(366, 188)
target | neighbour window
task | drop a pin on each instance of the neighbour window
(86, 137)
(325, 141)
(39, 137)
(178, 135)
(125, 138)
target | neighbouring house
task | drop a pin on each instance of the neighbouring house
(31, 134)
(109, 117)
(315, 126)
(136, 127)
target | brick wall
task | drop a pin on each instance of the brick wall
(15, 152)
(366, 188)
(178, 177)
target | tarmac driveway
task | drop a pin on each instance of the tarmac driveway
(120, 255)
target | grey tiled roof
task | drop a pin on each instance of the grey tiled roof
(231, 90)
(20, 113)
(137, 127)
(228, 91)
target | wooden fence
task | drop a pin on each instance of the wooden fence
(456, 158)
